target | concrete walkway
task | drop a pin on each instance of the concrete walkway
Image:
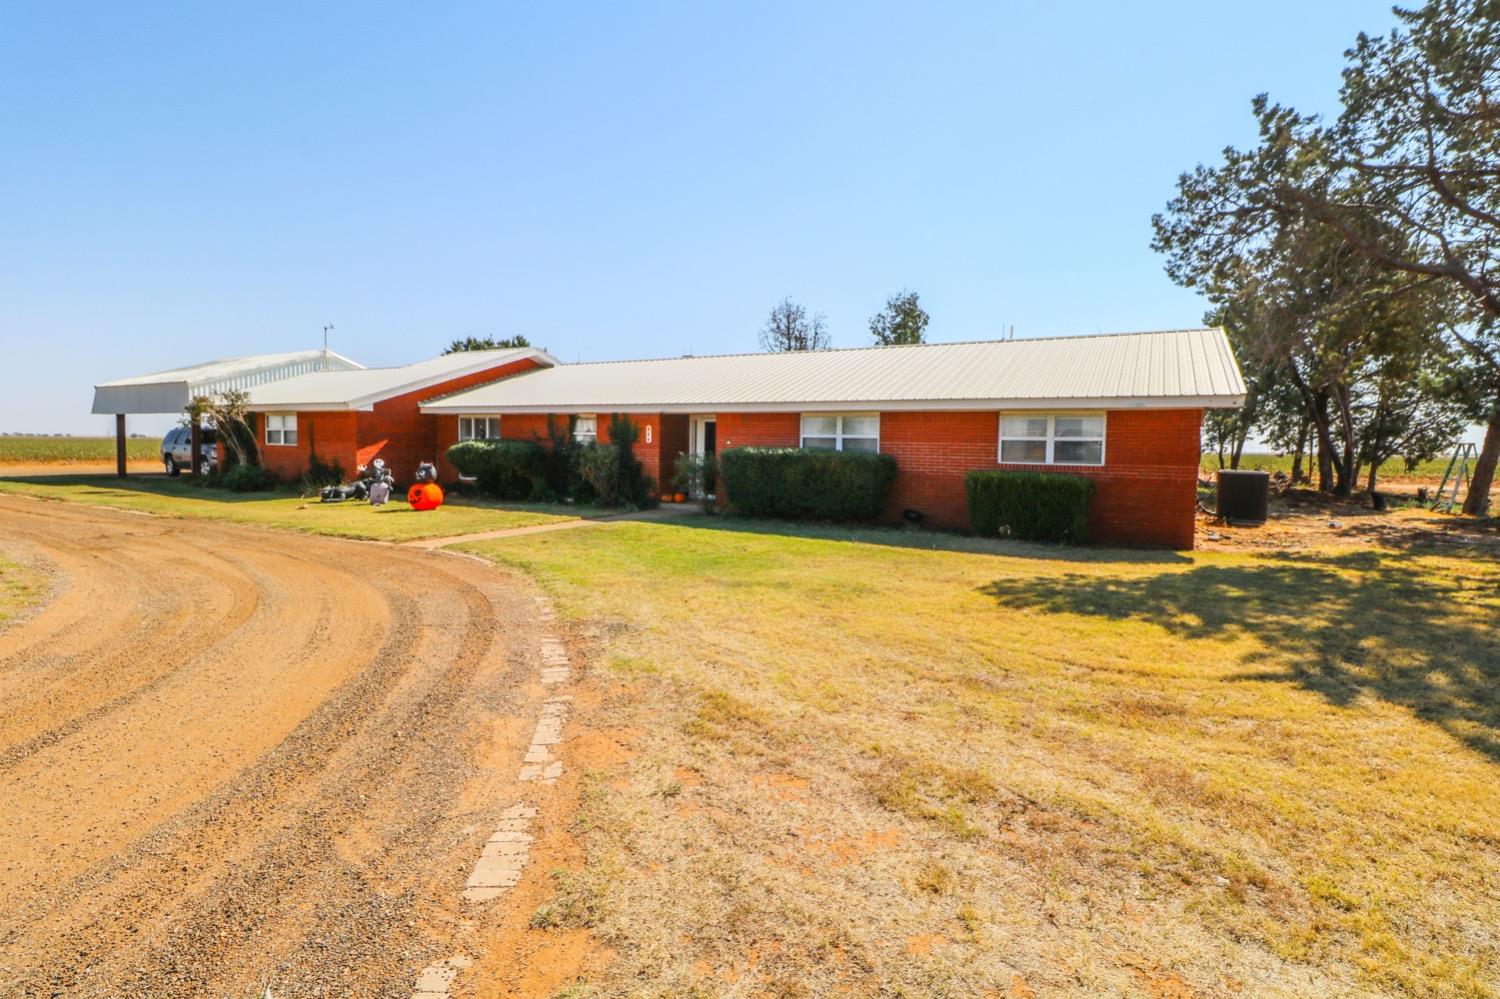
(672, 511)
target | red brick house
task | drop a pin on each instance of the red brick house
(354, 416)
(1122, 409)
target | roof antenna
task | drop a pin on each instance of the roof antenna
(325, 345)
(1012, 332)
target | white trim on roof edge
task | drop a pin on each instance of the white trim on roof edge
(366, 403)
(900, 405)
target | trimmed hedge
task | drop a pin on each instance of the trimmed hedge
(513, 470)
(248, 479)
(806, 482)
(1031, 506)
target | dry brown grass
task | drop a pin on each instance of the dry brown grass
(869, 769)
(22, 587)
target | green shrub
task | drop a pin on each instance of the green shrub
(806, 482)
(599, 466)
(563, 480)
(698, 476)
(514, 470)
(1032, 506)
(636, 488)
(319, 474)
(612, 471)
(248, 479)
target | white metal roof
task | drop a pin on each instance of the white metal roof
(361, 389)
(1167, 369)
(170, 391)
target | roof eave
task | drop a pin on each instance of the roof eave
(457, 408)
(367, 402)
(308, 407)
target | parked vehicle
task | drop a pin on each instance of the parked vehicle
(176, 450)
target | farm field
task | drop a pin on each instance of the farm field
(857, 767)
(1395, 468)
(181, 498)
(42, 450)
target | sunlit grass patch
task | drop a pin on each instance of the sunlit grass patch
(21, 588)
(940, 769)
(179, 498)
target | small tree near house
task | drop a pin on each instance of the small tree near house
(228, 413)
(902, 321)
(789, 328)
(486, 343)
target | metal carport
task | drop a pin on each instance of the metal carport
(171, 391)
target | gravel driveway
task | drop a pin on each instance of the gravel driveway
(234, 759)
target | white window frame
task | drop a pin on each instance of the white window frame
(586, 437)
(287, 423)
(1051, 438)
(838, 435)
(491, 425)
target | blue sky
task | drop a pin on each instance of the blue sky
(184, 182)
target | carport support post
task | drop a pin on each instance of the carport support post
(120, 445)
(196, 442)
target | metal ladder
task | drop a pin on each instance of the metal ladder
(1458, 471)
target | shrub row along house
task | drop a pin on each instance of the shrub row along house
(1123, 410)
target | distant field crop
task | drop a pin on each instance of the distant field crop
(73, 450)
(1283, 463)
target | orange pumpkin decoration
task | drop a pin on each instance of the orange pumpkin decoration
(425, 496)
(666, 497)
(681, 497)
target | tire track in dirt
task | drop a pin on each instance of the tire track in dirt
(289, 805)
(56, 693)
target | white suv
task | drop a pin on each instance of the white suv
(175, 448)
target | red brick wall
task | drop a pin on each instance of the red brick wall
(394, 430)
(649, 455)
(1147, 486)
(332, 436)
(673, 441)
(405, 437)
(932, 452)
(759, 430)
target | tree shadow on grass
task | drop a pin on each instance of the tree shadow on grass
(1340, 624)
(925, 539)
(153, 484)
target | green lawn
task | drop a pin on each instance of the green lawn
(1395, 467)
(42, 450)
(1010, 770)
(183, 498)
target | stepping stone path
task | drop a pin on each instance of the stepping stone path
(502, 858)
(436, 979)
(509, 848)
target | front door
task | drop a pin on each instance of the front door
(702, 431)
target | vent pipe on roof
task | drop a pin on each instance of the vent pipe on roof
(326, 328)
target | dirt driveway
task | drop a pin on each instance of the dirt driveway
(234, 759)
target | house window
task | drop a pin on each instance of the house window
(281, 428)
(586, 429)
(1052, 438)
(479, 428)
(841, 431)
